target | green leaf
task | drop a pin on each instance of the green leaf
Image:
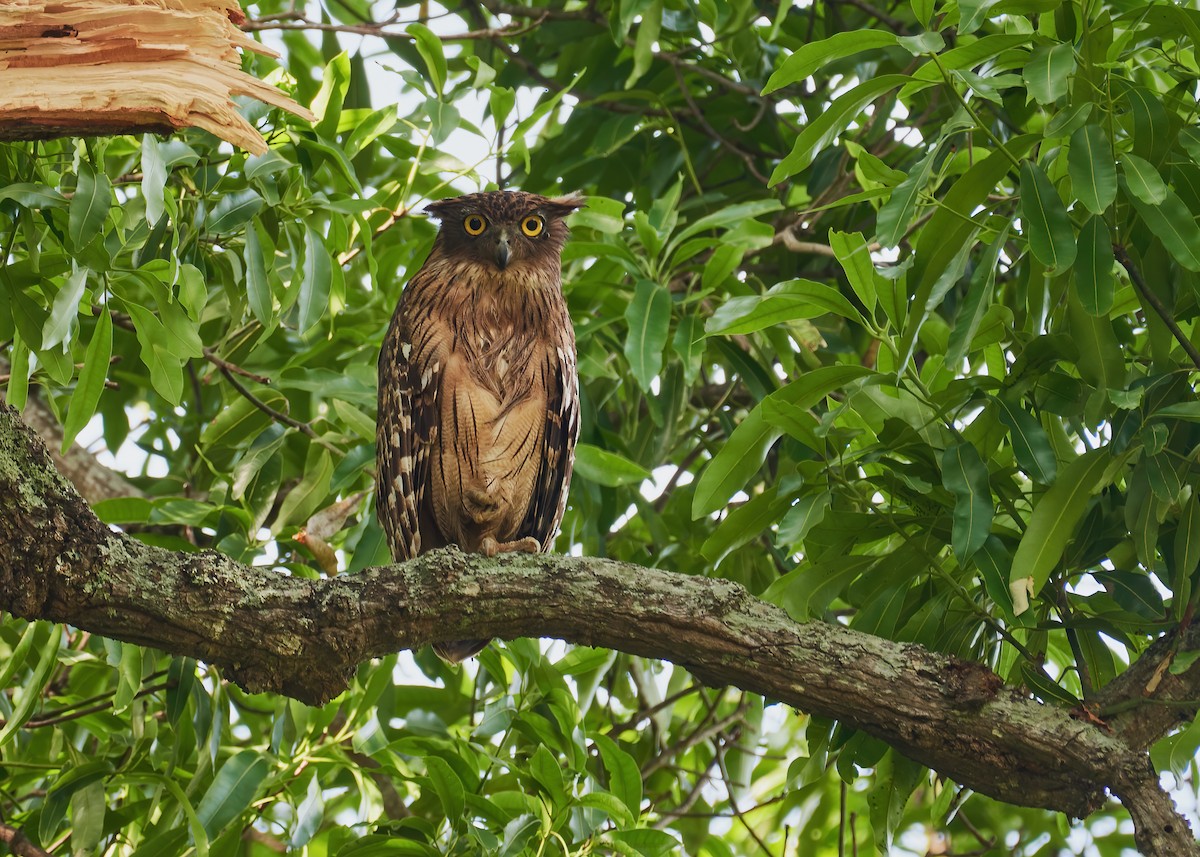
(31, 690)
(309, 815)
(315, 282)
(746, 522)
(831, 122)
(329, 100)
(64, 312)
(154, 179)
(646, 39)
(447, 786)
(1187, 544)
(744, 452)
(978, 302)
(1174, 226)
(1094, 282)
(786, 301)
(1031, 444)
(34, 196)
(799, 520)
(429, 46)
(972, 14)
(854, 256)
(812, 56)
(234, 210)
(896, 215)
(89, 207)
(1143, 180)
(1048, 72)
(90, 385)
(1092, 170)
(896, 777)
(232, 790)
(966, 476)
(258, 284)
(1045, 220)
(607, 468)
(1054, 519)
(624, 778)
(689, 344)
(310, 493)
(649, 318)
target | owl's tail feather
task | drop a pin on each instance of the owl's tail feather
(457, 651)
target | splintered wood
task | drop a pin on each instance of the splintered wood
(95, 67)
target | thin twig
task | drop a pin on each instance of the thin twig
(1157, 305)
(278, 416)
(212, 357)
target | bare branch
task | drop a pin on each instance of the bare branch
(304, 638)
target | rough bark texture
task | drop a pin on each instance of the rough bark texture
(93, 67)
(303, 638)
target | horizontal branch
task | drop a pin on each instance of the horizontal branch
(303, 638)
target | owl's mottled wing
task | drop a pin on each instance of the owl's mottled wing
(557, 376)
(409, 380)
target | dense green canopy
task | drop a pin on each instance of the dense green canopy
(886, 313)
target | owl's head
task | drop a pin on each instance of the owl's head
(504, 229)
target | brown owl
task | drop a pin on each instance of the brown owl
(478, 394)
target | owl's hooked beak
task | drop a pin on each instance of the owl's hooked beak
(502, 250)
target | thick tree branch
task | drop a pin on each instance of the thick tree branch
(301, 637)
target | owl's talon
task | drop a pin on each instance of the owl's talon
(490, 547)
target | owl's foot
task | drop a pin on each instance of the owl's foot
(490, 547)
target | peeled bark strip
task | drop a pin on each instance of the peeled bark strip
(303, 638)
(89, 67)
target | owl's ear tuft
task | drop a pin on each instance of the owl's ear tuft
(441, 208)
(561, 206)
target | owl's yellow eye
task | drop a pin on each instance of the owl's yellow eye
(474, 224)
(533, 226)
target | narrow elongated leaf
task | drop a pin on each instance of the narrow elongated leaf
(429, 46)
(90, 385)
(896, 214)
(65, 311)
(154, 178)
(232, 790)
(607, 468)
(966, 476)
(812, 56)
(624, 779)
(89, 206)
(1053, 523)
(1048, 72)
(315, 281)
(744, 452)
(979, 300)
(327, 104)
(820, 132)
(649, 318)
(1173, 224)
(1143, 180)
(689, 345)
(1045, 220)
(746, 522)
(1094, 283)
(854, 256)
(1092, 170)
(258, 285)
(447, 785)
(233, 210)
(1187, 546)
(786, 301)
(1031, 445)
(31, 689)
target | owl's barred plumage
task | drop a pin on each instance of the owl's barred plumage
(478, 392)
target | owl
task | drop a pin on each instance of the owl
(478, 392)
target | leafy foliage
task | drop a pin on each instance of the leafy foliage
(889, 316)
